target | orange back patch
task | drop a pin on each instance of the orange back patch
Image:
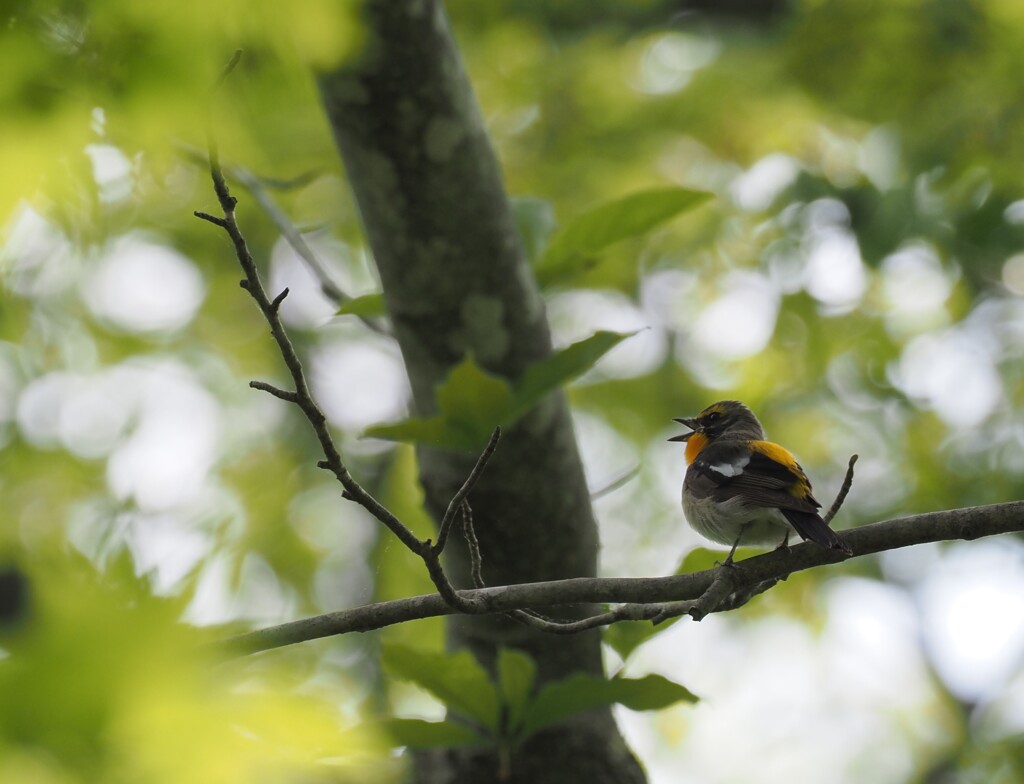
(777, 453)
(802, 487)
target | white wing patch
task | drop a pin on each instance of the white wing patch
(735, 468)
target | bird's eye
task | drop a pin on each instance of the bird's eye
(714, 416)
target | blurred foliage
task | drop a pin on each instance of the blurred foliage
(578, 245)
(472, 402)
(101, 683)
(856, 279)
(70, 65)
(507, 711)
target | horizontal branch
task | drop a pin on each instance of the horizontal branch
(969, 523)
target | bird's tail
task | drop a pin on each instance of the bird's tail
(811, 527)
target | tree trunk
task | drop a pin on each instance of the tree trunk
(455, 280)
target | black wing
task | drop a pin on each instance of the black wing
(727, 470)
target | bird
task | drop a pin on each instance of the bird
(741, 488)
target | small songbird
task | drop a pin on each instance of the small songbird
(741, 489)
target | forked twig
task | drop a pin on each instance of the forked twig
(294, 237)
(459, 498)
(258, 187)
(302, 397)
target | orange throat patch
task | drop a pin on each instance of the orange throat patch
(694, 444)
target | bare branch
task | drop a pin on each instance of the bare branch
(276, 304)
(613, 485)
(283, 394)
(456, 503)
(752, 576)
(290, 183)
(462, 602)
(293, 237)
(713, 599)
(303, 398)
(258, 189)
(724, 583)
(847, 483)
(624, 612)
(475, 560)
(211, 218)
(302, 395)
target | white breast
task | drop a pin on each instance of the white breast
(723, 522)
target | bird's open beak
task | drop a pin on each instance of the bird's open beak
(690, 423)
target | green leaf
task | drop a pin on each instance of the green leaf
(516, 674)
(420, 734)
(368, 305)
(474, 401)
(627, 636)
(594, 231)
(471, 402)
(580, 692)
(535, 220)
(432, 431)
(567, 364)
(457, 679)
(651, 692)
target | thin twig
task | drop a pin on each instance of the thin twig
(616, 483)
(236, 58)
(530, 618)
(289, 232)
(294, 237)
(624, 612)
(473, 545)
(276, 304)
(289, 184)
(211, 218)
(303, 398)
(724, 583)
(258, 188)
(283, 394)
(467, 486)
(847, 483)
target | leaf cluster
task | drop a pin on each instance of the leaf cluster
(508, 709)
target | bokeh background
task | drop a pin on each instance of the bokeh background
(858, 280)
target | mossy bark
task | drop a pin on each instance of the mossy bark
(455, 280)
